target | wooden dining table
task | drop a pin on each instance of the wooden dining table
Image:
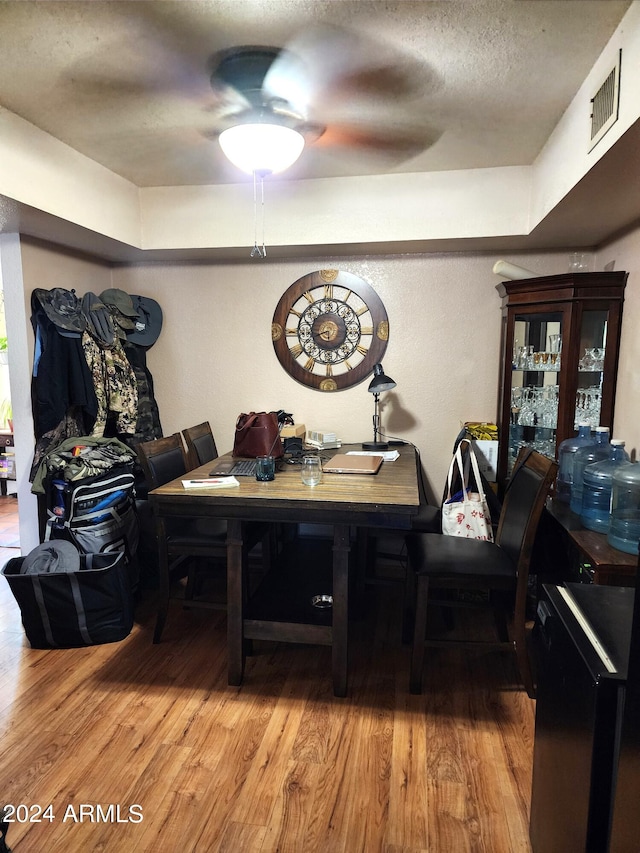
(345, 502)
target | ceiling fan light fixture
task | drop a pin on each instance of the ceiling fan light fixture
(261, 148)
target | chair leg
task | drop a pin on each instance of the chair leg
(419, 635)
(190, 589)
(409, 606)
(160, 622)
(269, 548)
(500, 603)
(522, 653)
(524, 665)
(163, 604)
(163, 593)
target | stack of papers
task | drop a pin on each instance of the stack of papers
(324, 445)
(211, 483)
(387, 455)
(322, 440)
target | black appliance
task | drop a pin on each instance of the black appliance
(581, 641)
(625, 831)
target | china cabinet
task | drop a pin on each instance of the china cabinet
(560, 342)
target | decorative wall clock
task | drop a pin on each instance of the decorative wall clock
(329, 329)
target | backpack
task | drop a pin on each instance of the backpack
(97, 514)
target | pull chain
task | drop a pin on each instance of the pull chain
(258, 252)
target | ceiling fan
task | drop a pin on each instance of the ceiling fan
(354, 101)
(259, 130)
(328, 87)
(351, 96)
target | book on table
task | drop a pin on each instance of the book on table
(211, 483)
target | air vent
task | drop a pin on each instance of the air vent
(604, 104)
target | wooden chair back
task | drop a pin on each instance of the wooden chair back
(162, 459)
(201, 445)
(522, 506)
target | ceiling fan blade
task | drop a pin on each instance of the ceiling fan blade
(325, 65)
(159, 52)
(393, 144)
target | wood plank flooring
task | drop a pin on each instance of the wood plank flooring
(178, 761)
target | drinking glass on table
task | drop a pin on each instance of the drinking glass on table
(311, 471)
(265, 468)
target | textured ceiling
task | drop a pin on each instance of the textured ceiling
(126, 83)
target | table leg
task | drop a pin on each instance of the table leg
(235, 603)
(340, 629)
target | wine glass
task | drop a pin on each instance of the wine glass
(586, 362)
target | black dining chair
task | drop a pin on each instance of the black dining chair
(387, 545)
(500, 568)
(201, 448)
(200, 443)
(382, 551)
(181, 541)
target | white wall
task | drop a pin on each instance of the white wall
(11, 276)
(625, 253)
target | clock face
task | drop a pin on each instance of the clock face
(329, 329)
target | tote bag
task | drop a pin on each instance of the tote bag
(466, 513)
(257, 434)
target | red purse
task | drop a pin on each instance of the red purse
(257, 434)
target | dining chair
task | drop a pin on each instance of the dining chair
(201, 448)
(382, 551)
(200, 443)
(427, 520)
(179, 540)
(499, 568)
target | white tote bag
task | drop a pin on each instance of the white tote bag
(466, 513)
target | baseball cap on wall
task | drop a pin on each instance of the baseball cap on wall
(120, 300)
(148, 321)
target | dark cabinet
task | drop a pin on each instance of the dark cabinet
(560, 343)
(581, 641)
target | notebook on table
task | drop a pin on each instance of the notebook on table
(345, 463)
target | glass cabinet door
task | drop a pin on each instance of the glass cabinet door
(593, 345)
(535, 383)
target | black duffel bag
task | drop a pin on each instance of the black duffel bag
(68, 599)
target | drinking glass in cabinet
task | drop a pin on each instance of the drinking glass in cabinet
(555, 343)
(535, 406)
(592, 360)
(588, 404)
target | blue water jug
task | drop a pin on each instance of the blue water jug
(585, 456)
(624, 528)
(596, 488)
(566, 451)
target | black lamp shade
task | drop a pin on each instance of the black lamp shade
(380, 382)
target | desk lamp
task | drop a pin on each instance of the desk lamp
(379, 383)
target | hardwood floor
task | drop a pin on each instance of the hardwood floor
(187, 763)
